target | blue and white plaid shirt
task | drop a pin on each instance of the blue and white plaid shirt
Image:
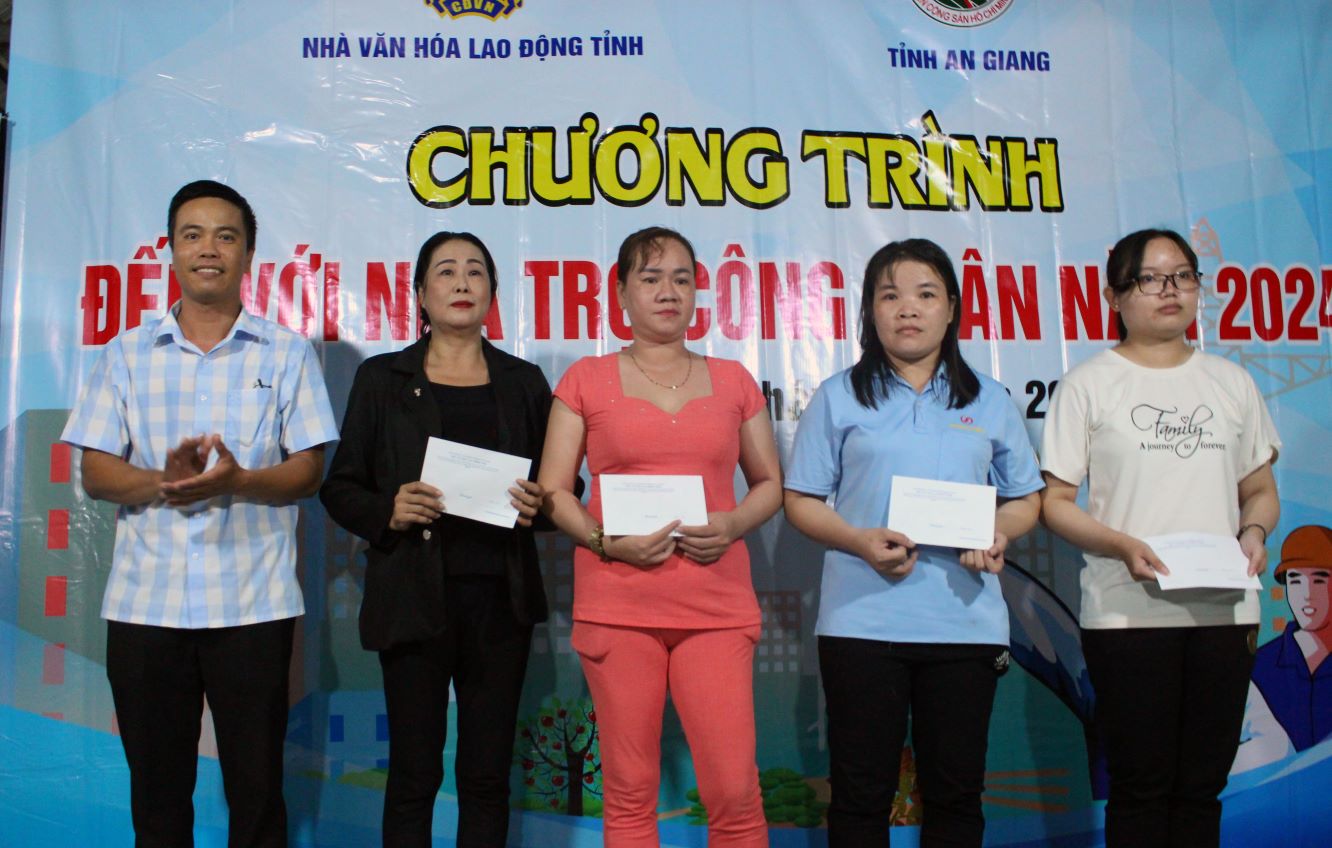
(226, 561)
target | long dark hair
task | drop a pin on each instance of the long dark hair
(869, 376)
(1125, 261)
(423, 267)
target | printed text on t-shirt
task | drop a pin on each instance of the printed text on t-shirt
(1182, 434)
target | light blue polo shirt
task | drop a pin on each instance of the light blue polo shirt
(849, 452)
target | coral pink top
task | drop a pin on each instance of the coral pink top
(627, 435)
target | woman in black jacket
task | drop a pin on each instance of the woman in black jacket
(446, 598)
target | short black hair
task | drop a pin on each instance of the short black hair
(638, 247)
(423, 266)
(869, 376)
(212, 188)
(1125, 261)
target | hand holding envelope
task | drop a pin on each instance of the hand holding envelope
(644, 551)
(642, 513)
(949, 515)
(527, 496)
(888, 552)
(706, 543)
(474, 482)
(640, 504)
(415, 503)
(1141, 561)
(989, 559)
(1202, 561)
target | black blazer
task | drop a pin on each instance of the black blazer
(390, 414)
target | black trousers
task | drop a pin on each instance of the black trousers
(159, 678)
(484, 653)
(1170, 705)
(871, 687)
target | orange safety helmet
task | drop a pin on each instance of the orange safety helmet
(1309, 546)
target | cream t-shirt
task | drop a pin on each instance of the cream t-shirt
(1163, 450)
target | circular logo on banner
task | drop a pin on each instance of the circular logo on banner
(492, 9)
(964, 13)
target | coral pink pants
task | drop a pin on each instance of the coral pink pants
(710, 676)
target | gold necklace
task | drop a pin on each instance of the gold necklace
(689, 371)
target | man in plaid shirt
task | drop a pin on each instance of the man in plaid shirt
(205, 426)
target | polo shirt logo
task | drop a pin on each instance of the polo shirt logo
(966, 424)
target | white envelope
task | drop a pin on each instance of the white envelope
(475, 481)
(1202, 561)
(639, 504)
(950, 515)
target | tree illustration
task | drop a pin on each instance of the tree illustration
(906, 804)
(558, 752)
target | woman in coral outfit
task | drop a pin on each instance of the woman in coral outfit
(674, 610)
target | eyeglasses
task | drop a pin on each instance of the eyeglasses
(1185, 281)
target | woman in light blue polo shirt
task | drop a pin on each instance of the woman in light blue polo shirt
(908, 629)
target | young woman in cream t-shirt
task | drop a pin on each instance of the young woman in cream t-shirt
(1169, 440)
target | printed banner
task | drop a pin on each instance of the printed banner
(789, 142)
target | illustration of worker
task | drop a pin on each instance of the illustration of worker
(1290, 696)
